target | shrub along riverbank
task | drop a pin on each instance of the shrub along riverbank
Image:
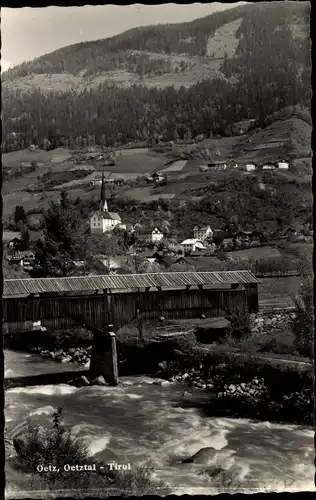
(52, 448)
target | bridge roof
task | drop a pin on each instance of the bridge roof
(18, 287)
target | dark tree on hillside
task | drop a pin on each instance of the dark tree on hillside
(63, 238)
(19, 214)
(26, 239)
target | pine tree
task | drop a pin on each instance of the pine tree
(19, 214)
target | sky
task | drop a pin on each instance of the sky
(29, 32)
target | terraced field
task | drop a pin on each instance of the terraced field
(278, 293)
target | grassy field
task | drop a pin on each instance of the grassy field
(255, 253)
(176, 166)
(139, 163)
(278, 292)
(15, 158)
(28, 200)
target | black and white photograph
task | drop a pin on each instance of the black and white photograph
(157, 236)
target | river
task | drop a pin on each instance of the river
(141, 421)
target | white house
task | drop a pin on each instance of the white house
(268, 166)
(250, 167)
(192, 244)
(103, 221)
(145, 234)
(202, 233)
(283, 165)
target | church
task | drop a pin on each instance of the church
(104, 221)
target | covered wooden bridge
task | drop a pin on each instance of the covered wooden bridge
(105, 303)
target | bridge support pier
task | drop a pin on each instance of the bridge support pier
(104, 356)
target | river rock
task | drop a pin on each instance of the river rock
(99, 381)
(165, 383)
(80, 381)
(65, 359)
(163, 366)
(203, 456)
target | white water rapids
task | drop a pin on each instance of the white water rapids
(142, 422)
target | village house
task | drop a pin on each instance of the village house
(283, 165)
(156, 177)
(26, 259)
(250, 167)
(233, 164)
(166, 261)
(103, 221)
(191, 244)
(217, 165)
(268, 166)
(243, 237)
(12, 239)
(202, 233)
(148, 234)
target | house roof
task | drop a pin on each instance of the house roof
(10, 235)
(109, 215)
(18, 287)
(115, 216)
(145, 230)
(201, 228)
(190, 241)
(168, 260)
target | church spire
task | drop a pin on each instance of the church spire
(103, 202)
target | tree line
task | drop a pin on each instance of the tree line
(109, 116)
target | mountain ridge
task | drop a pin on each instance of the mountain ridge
(176, 54)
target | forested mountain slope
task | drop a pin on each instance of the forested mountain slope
(244, 63)
(267, 36)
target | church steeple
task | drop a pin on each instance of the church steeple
(103, 203)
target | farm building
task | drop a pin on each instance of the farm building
(12, 239)
(149, 234)
(268, 166)
(201, 233)
(191, 244)
(26, 259)
(283, 165)
(217, 165)
(250, 167)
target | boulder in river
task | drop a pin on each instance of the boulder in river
(100, 380)
(80, 381)
(203, 456)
